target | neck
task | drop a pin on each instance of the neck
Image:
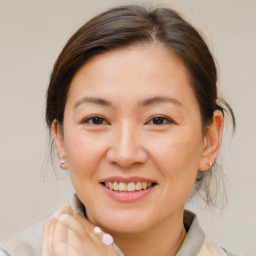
(163, 240)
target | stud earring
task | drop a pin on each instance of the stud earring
(62, 162)
(210, 164)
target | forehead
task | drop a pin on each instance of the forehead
(132, 72)
(145, 60)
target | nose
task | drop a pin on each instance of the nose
(127, 146)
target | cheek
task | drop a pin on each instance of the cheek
(177, 158)
(83, 153)
(178, 149)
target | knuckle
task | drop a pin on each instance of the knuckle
(65, 218)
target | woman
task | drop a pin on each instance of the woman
(134, 111)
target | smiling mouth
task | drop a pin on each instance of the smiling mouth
(128, 187)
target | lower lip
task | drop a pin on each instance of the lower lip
(127, 197)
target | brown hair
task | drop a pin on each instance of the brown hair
(128, 25)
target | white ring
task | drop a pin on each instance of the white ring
(97, 230)
(107, 239)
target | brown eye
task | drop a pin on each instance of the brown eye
(158, 120)
(96, 120)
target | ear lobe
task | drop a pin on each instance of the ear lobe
(212, 141)
(59, 140)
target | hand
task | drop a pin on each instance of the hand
(69, 234)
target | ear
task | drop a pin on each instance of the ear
(212, 141)
(59, 140)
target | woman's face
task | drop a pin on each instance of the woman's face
(132, 138)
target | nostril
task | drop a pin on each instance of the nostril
(126, 159)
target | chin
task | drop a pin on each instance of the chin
(126, 223)
(125, 227)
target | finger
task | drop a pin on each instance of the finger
(95, 233)
(66, 209)
(88, 226)
(60, 232)
(103, 241)
(46, 226)
(93, 240)
(58, 236)
(77, 236)
(62, 249)
(96, 237)
(77, 243)
(63, 210)
(71, 223)
(48, 230)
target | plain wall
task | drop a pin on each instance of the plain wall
(32, 33)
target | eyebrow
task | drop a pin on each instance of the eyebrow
(98, 101)
(159, 99)
(143, 103)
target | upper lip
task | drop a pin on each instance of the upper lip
(127, 179)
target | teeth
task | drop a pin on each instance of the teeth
(122, 186)
(115, 186)
(130, 187)
(110, 185)
(138, 186)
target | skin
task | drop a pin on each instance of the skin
(127, 142)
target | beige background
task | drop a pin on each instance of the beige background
(32, 33)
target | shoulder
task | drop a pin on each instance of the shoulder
(209, 248)
(230, 253)
(196, 242)
(26, 243)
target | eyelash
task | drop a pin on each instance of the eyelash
(164, 119)
(160, 120)
(94, 118)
